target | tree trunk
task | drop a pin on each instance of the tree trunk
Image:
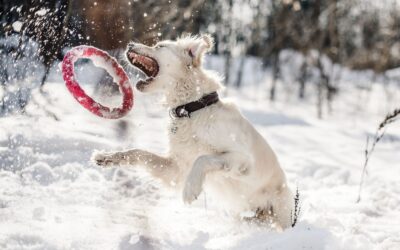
(322, 85)
(319, 99)
(303, 79)
(238, 83)
(275, 76)
(228, 62)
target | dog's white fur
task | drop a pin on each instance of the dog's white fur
(216, 148)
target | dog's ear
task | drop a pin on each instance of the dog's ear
(198, 47)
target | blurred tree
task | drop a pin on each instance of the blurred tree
(325, 32)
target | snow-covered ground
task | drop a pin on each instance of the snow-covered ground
(52, 197)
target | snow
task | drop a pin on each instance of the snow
(17, 25)
(106, 64)
(52, 197)
(42, 12)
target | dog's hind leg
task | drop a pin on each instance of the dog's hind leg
(159, 166)
(232, 163)
(283, 206)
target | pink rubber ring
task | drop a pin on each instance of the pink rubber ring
(117, 73)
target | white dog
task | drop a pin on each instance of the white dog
(211, 144)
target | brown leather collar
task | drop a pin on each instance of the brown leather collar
(186, 109)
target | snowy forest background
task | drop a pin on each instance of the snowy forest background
(327, 36)
(320, 79)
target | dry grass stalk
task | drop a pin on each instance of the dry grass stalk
(380, 132)
(297, 208)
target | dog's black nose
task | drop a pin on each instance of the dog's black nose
(131, 46)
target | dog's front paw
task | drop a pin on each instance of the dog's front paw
(192, 189)
(105, 159)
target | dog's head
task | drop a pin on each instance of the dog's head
(168, 62)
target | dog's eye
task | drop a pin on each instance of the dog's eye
(160, 46)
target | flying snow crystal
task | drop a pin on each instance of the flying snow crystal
(186, 15)
(296, 6)
(41, 12)
(145, 14)
(95, 3)
(158, 34)
(17, 26)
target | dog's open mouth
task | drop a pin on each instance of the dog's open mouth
(146, 64)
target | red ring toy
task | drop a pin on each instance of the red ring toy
(118, 74)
